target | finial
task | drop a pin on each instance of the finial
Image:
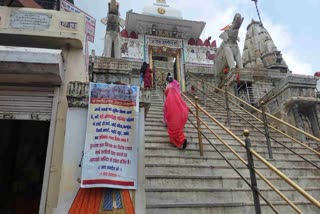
(246, 132)
(256, 3)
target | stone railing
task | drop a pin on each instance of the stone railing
(200, 69)
(305, 86)
(104, 64)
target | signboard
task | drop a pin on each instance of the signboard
(90, 21)
(164, 42)
(29, 20)
(110, 153)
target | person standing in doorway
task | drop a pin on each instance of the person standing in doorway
(142, 72)
(175, 113)
(148, 78)
(154, 77)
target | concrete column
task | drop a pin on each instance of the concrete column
(117, 42)
(140, 199)
(107, 45)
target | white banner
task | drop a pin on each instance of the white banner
(110, 153)
(90, 21)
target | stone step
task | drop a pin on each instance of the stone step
(185, 181)
(226, 208)
(180, 181)
(233, 119)
(155, 110)
(235, 145)
(207, 195)
(162, 130)
(212, 153)
(229, 140)
(219, 161)
(201, 169)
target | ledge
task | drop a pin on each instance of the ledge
(107, 65)
(30, 65)
(291, 81)
(41, 28)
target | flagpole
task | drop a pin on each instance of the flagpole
(256, 3)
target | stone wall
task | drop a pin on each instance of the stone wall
(132, 49)
(199, 55)
(295, 102)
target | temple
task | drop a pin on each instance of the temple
(161, 37)
(243, 102)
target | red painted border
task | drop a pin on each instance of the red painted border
(107, 181)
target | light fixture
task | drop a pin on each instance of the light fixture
(153, 29)
(174, 32)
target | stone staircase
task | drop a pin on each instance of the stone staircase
(180, 181)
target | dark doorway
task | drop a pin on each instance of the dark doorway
(175, 73)
(23, 146)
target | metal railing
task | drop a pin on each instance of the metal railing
(250, 152)
(266, 128)
(256, 155)
(253, 186)
(212, 89)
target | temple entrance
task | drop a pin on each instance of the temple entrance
(23, 147)
(163, 61)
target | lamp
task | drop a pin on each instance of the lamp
(153, 29)
(174, 32)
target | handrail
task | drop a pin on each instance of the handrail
(264, 161)
(236, 170)
(275, 129)
(258, 119)
(244, 162)
(259, 111)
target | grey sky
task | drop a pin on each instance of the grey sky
(295, 34)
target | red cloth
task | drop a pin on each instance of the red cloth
(176, 115)
(148, 78)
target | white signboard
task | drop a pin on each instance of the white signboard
(110, 154)
(29, 20)
(164, 42)
(90, 21)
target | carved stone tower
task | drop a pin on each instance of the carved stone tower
(260, 51)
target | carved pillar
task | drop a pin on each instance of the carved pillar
(107, 45)
(117, 46)
(178, 68)
(298, 120)
(150, 58)
(317, 120)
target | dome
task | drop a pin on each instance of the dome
(161, 9)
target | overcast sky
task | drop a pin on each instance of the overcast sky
(293, 24)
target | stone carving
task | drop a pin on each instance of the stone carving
(199, 54)
(132, 48)
(112, 38)
(260, 51)
(306, 123)
(228, 54)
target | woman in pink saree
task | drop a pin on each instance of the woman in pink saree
(148, 78)
(175, 113)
